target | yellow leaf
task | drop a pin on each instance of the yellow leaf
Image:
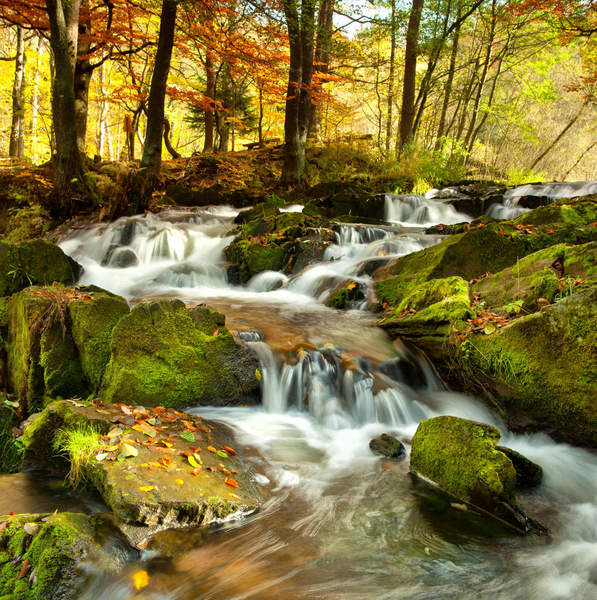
(178, 481)
(351, 286)
(258, 374)
(140, 579)
(192, 461)
(111, 448)
(146, 488)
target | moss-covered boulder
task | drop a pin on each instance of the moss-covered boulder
(387, 445)
(460, 457)
(429, 313)
(11, 449)
(58, 341)
(41, 555)
(92, 318)
(37, 262)
(255, 256)
(528, 473)
(542, 368)
(41, 354)
(577, 212)
(154, 468)
(539, 275)
(349, 294)
(163, 355)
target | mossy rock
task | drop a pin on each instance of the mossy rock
(162, 355)
(528, 473)
(11, 450)
(41, 354)
(143, 494)
(429, 312)
(26, 223)
(538, 276)
(542, 368)
(38, 262)
(264, 210)
(577, 212)
(347, 295)
(460, 458)
(92, 322)
(253, 257)
(53, 546)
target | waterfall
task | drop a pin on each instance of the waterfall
(414, 209)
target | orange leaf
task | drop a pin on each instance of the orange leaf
(229, 450)
(140, 579)
(212, 449)
(231, 482)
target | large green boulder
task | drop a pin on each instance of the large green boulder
(154, 468)
(542, 368)
(58, 341)
(486, 248)
(162, 355)
(41, 354)
(539, 276)
(38, 262)
(460, 457)
(429, 313)
(92, 317)
(41, 555)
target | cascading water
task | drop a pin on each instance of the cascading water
(507, 209)
(338, 523)
(414, 209)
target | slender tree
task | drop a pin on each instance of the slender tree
(407, 114)
(17, 131)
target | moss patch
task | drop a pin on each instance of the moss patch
(161, 355)
(460, 457)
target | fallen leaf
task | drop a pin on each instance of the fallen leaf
(196, 471)
(257, 374)
(192, 461)
(128, 451)
(231, 482)
(188, 436)
(178, 481)
(24, 568)
(140, 579)
(229, 450)
(212, 449)
(146, 488)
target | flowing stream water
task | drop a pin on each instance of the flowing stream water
(338, 522)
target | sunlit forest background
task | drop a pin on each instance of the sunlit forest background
(509, 93)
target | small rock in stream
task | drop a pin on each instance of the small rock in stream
(388, 446)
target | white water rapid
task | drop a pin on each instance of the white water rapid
(417, 210)
(338, 523)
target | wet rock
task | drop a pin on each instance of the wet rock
(543, 367)
(92, 319)
(538, 276)
(11, 452)
(36, 262)
(174, 469)
(58, 341)
(122, 258)
(528, 473)
(388, 446)
(489, 248)
(163, 354)
(460, 457)
(347, 295)
(41, 555)
(428, 314)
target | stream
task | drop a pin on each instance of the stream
(338, 522)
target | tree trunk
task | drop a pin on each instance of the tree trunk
(307, 56)
(391, 75)
(325, 23)
(407, 114)
(449, 82)
(260, 122)
(210, 93)
(294, 155)
(468, 140)
(17, 132)
(83, 73)
(167, 142)
(100, 140)
(64, 21)
(152, 151)
(35, 102)
(559, 136)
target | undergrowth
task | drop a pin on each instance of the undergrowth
(79, 445)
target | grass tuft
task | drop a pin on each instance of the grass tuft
(80, 446)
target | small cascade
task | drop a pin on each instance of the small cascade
(350, 235)
(340, 395)
(554, 190)
(508, 209)
(414, 209)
